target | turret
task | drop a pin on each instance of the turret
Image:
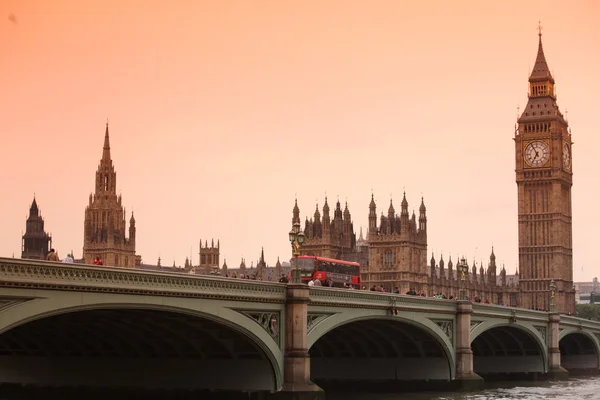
(338, 218)
(278, 269)
(326, 219)
(492, 268)
(317, 229)
(372, 216)
(391, 215)
(224, 267)
(422, 217)
(432, 266)
(442, 270)
(450, 269)
(404, 214)
(296, 213)
(132, 229)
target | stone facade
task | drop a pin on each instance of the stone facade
(328, 238)
(208, 256)
(105, 224)
(393, 255)
(544, 178)
(397, 249)
(481, 284)
(36, 242)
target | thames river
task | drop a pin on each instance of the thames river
(587, 388)
(577, 388)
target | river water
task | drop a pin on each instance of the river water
(577, 388)
(587, 388)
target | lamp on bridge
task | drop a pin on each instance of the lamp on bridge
(552, 296)
(463, 268)
(296, 239)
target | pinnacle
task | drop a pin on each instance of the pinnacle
(106, 148)
(540, 70)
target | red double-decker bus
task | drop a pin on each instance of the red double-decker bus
(340, 273)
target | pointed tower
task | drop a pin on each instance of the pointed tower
(372, 216)
(296, 213)
(209, 256)
(36, 242)
(404, 218)
(278, 270)
(492, 268)
(326, 222)
(450, 269)
(422, 217)
(544, 179)
(317, 226)
(104, 223)
(261, 265)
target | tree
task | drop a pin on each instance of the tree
(588, 311)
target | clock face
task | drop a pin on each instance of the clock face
(536, 154)
(566, 156)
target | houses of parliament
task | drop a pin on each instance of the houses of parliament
(393, 254)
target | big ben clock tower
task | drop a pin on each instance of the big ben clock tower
(544, 179)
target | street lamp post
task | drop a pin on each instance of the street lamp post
(296, 239)
(552, 296)
(464, 269)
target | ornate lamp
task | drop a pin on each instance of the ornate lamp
(296, 237)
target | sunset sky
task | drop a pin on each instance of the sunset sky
(223, 112)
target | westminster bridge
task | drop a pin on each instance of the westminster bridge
(81, 325)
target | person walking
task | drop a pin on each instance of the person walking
(68, 259)
(52, 256)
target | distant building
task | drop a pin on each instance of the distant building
(209, 258)
(393, 255)
(105, 224)
(36, 242)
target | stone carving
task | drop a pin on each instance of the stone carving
(475, 324)
(268, 320)
(542, 330)
(314, 319)
(513, 317)
(446, 326)
(117, 280)
(7, 302)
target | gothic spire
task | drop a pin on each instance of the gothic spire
(106, 148)
(33, 210)
(540, 71)
(296, 213)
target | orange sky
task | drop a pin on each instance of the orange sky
(222, 111)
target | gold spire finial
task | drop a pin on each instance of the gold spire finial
(540, 28)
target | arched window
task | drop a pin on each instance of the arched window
(106, 183)
(388, 258)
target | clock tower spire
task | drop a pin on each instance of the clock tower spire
(544, 179)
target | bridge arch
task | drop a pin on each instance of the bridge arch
(373, 345)
(508, 348)
(234, 329)
(579, 351)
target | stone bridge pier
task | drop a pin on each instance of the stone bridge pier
(296, 363)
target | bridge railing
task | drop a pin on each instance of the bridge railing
(581, 323)
(34, 274)
(334, 297)
(510, 313)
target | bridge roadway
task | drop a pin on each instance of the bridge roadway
(81, 325)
